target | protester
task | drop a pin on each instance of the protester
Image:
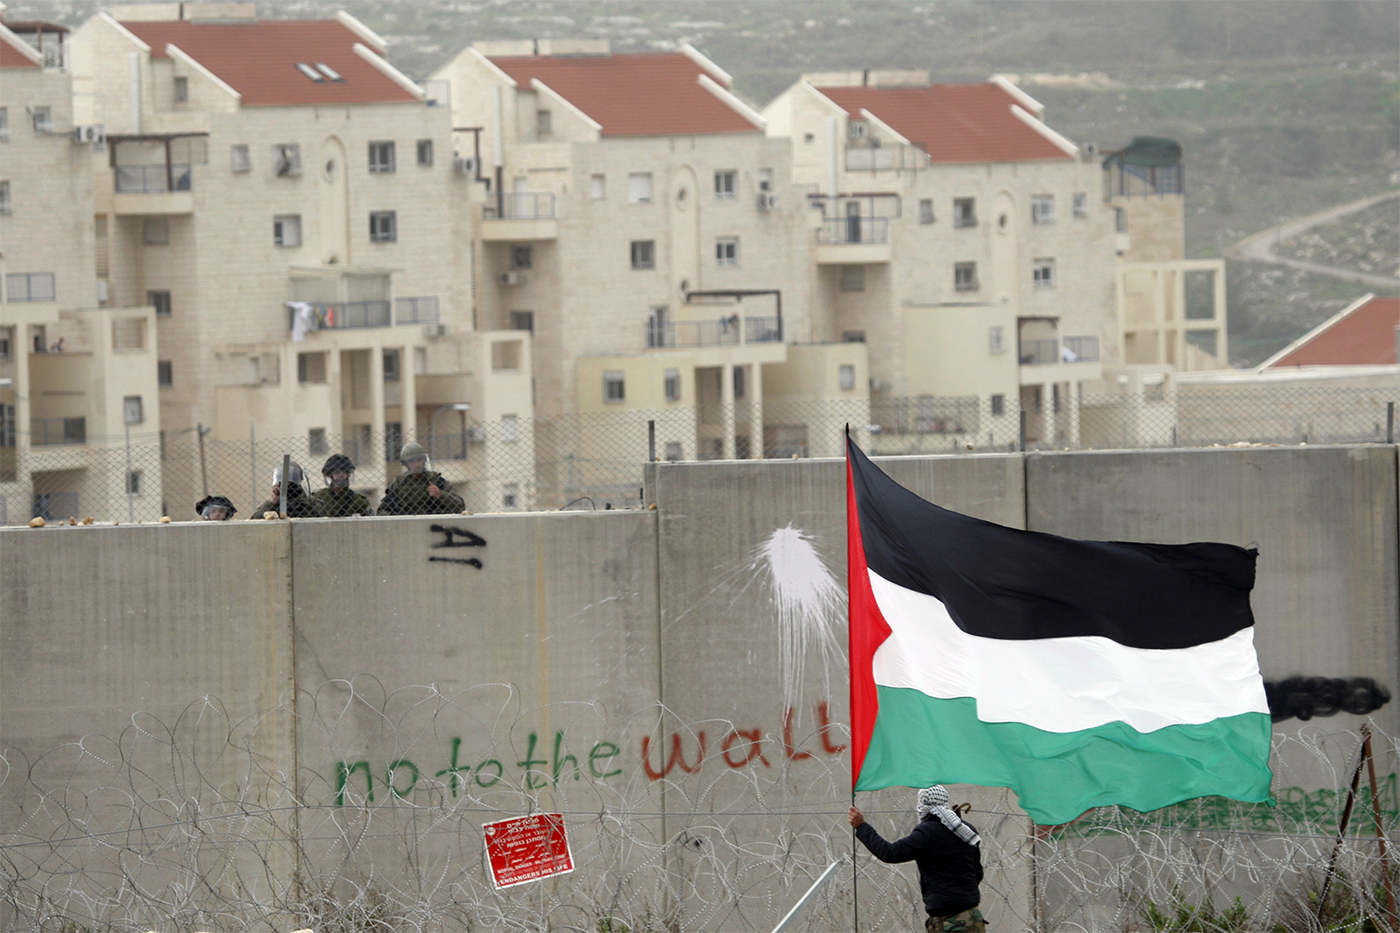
(337, 498)
(948, 852)
(299, 504)
(418, 490)
(214, 509)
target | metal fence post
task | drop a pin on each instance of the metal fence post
(130, 506)
(651, 441)
(1023, 431)
(1390, 422)
(253, 463)
(286, 477)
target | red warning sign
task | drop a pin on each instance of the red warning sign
(527, 848)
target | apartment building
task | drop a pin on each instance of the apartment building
(77, 371)
(285, 200)
(644, 228)
(964, 241)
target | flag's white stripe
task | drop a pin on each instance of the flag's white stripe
(1062, 684)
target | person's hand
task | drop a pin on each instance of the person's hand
(854, 816)
(433, 491)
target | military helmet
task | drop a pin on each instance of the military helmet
(337, 463)
(214, 502)
(412, 451)
(294, 475)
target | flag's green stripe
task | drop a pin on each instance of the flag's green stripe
(919, 740)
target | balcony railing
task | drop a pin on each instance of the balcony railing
(415, 310)
(854, 230)
(54, 432)
(724, 332)
(522, 205)
(883, 158)
(1069, 350)
(152, 179)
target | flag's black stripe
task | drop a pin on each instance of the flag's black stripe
(1001, 582)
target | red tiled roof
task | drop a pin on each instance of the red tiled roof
(951, 122)
(632, 95)
(258, 60)
(1363, 337)
(11, 57)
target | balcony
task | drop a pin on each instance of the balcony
(854, 240)
(351, 315)
(416, 311)
(729, 331)
(520, 216)
(1067, 350)
(153, 189)
(56, 432)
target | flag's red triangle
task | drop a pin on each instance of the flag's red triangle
(867, 631)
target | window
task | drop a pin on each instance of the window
(925, 210)
(614, 386)
(7, 340)
(598, 187)
(7, 425)
(383, 227)
(964, 276)
(544, 124)
(316, 441)
(311, 367)
(160, 300)
(286, 160)
(505, 356)
(522, 320)
(29, 286)
(510, 427)
(673, 451)
(996, 339)
(5, 206)
(855, 129)
(847, 376)
(964, 212)
(853, 278)
(998, 405)
(425, 152)
(765, 179)
(739, 382)
(132, 412)
(522, 257)
(133, 482)
(310, 72)
(4, 124)
(155, 231)
(1120, 219)
(328, 71)
(727, 251)
(853, 336)
(286, 230)
(391, 366)
(182, 89)
(1081, 204)
(165, 373)
(393, 440)
(1042, 209)
(639, 187)
(381, 158)
(724, 184)
(43, 120)
(239, 158)
(672, 385)
(510, 495)
(1043, 273)
(643, 254)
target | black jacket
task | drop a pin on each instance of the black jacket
(950, 870)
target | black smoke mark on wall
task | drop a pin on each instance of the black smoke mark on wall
(1306, 697)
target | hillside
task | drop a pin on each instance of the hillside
(1283, 108)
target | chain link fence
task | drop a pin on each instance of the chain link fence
(594, 460)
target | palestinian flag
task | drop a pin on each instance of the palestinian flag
(1077, 673)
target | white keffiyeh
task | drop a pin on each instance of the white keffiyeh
(935, 800)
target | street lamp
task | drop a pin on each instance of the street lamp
(455, 406)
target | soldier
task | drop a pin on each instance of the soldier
(337, 498)
(299, 504)
(418, 490)
(214, 509)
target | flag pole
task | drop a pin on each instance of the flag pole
(850, 683)
(1342, 826)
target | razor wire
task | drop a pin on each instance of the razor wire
(595, 460)
(197, 823)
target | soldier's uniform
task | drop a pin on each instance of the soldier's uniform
(341, 502)
(408, 495)
(299, 505)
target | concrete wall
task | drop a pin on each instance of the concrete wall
(673, 680)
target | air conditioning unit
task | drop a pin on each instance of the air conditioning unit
(513, 277)
(475, 434)
(435, 330)
(467, 165)
(767, 200)
(95, 134)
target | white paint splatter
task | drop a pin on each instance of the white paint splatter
(808, 600)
